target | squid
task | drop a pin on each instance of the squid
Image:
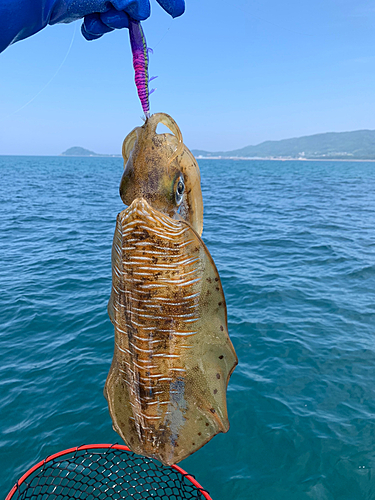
(166, 388)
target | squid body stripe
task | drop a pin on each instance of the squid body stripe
(166, 330)
(179, 282)
(161, 235)
(187, 334)
(167, 222)
(164, 249)
(133, 261)
(117, 272)
(130, 240)
(165, 356)
(131, 325)
(174, 234)
(162, 267)
(175, 280)
(157, 341)
(151, 285)
(187, 297)
(126, 224)
(179, 334)
(187, 273)
(164, 223)
(170, 226)
(121, 330)
(171, 316)
(169, 249)
(139, 257)
(145, 361)
(189, 260)
(139, 349)
(149, 417)
(147, 367)
(179, 279)
(144, 213)
(142, 310)
(126, 372)
(185, 243)
(159, 306)
(143, 339)
(126, 351)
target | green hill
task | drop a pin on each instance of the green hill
(78, 151)
(355, 145)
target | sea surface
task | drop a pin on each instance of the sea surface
(294, 242)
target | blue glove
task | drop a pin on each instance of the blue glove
(22, 18)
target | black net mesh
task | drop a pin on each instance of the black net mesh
(106, 474)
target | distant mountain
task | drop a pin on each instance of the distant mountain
(78, 151)
(357, 145)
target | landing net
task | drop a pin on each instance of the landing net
(105, 472)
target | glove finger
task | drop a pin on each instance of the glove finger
(137, 9)
(93, 27)
(174, 8)
(88, 36)
(115, 19)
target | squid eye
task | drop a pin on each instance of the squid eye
(180, 188)
(179, 191)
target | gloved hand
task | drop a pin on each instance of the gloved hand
(20, 19)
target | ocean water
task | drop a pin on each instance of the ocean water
(294, 243)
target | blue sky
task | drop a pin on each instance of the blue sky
(230, 77)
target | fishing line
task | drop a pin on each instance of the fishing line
(50, 80)
(59, 68)
(165, 34)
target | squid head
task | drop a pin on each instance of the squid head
(160, 169)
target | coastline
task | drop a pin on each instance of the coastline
(232, 158)
(90, 156)
(278, 159)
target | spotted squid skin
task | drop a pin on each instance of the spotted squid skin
(166, 388)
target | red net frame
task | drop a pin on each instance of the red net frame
(85, 473)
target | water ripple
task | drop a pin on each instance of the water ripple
(294, 244)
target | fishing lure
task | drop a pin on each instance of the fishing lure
(140, 63)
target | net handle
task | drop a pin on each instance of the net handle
(189, 477)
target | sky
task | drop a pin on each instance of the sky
(230, 73)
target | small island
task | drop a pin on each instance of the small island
(78, 151)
